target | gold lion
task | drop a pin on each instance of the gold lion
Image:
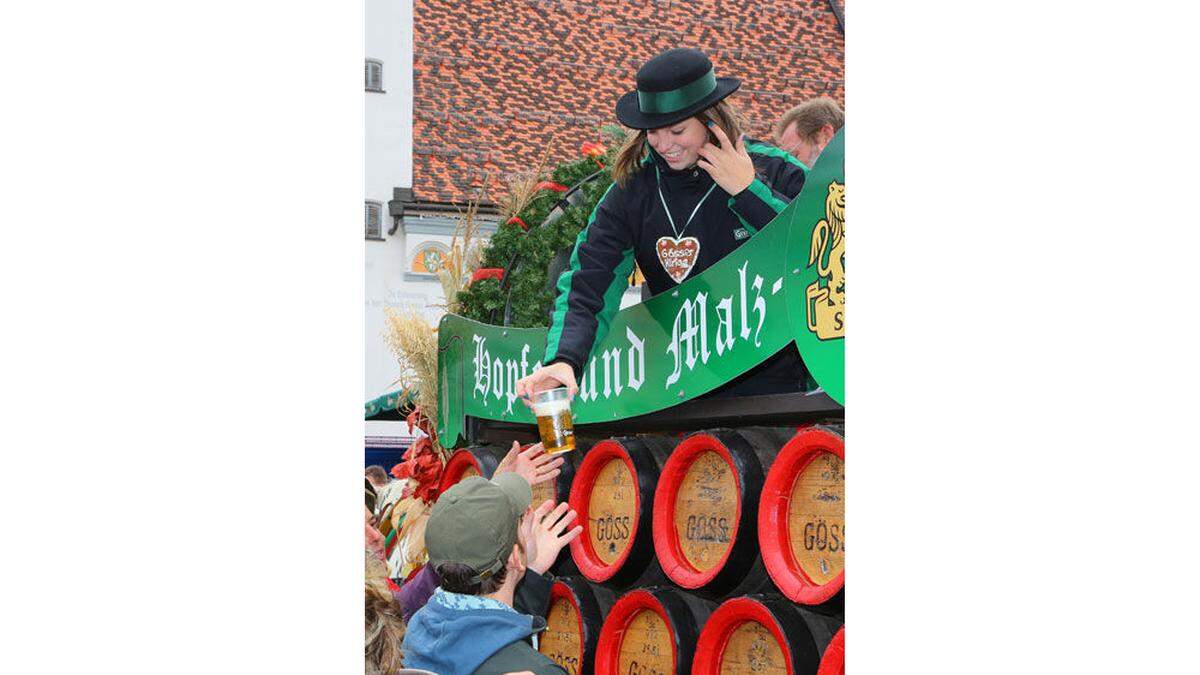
(827, 303)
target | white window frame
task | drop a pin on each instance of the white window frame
(379, 75)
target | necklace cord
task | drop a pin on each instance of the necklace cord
(678, 233)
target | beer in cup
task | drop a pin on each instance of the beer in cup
(555, 424)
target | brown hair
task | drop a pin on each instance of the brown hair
(456, 579)
(384, 630)
(377, 474)
(635, 146)
(810, 117)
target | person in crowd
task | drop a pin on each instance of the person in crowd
(387, 491)
(532, 464)
(375, 541)
(377, 476)
(805, 130)
(491, 553)
(384, 626)
(688, 189)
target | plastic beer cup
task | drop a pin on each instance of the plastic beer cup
(556, 426)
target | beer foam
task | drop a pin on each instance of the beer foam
(547, 408)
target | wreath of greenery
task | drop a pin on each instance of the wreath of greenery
(523, 296)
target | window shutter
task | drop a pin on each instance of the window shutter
(374, 73)
(373, 212)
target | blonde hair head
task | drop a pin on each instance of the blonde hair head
(810, 117)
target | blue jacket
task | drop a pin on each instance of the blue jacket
(457, 634)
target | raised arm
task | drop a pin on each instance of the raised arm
(589, 295)
(779, 177)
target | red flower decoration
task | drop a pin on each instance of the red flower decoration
(487, 273)
(418, 419)
(518, 221)
(592, 149)
(551, 185)
(422, 464)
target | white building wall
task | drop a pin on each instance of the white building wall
(388, 138)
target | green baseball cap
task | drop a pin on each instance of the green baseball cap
(474, 523)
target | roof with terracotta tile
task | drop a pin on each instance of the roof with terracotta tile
(498, 83)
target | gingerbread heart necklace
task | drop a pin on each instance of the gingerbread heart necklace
(678, 254)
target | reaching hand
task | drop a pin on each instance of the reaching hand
(548, 377)
(532, 463)
(542, 531)
(728, 163)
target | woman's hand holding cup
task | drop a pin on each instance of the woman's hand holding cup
(553, 376)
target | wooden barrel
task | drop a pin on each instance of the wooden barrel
(801, 516)
(573, 622)
(762, 634)
(705, 511)
(479, 460)
(613, 496)
(833, 661)
(651, 631)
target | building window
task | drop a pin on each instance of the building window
(374, 75)
(374, 220)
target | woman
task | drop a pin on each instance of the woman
(684, 196)
(384, 629)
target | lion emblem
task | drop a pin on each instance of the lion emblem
(827, 295)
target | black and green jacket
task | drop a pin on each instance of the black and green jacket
(627, 223)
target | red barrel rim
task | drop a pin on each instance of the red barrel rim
(455, 466)
(773, 537)
(590, 564)
(559, 590)
(608, 648)
(833, 661)
(666, 544)
(714, 638)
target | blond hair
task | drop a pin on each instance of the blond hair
(810, 117)
(384, 631)
(635, 147)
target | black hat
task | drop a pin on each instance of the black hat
(673, 86)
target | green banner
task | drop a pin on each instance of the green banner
(672, 348)
(816, 287)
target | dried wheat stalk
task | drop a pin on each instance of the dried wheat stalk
(466, 252)
(414, 342)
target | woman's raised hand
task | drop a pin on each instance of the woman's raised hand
(728, 163)
(547, 377)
